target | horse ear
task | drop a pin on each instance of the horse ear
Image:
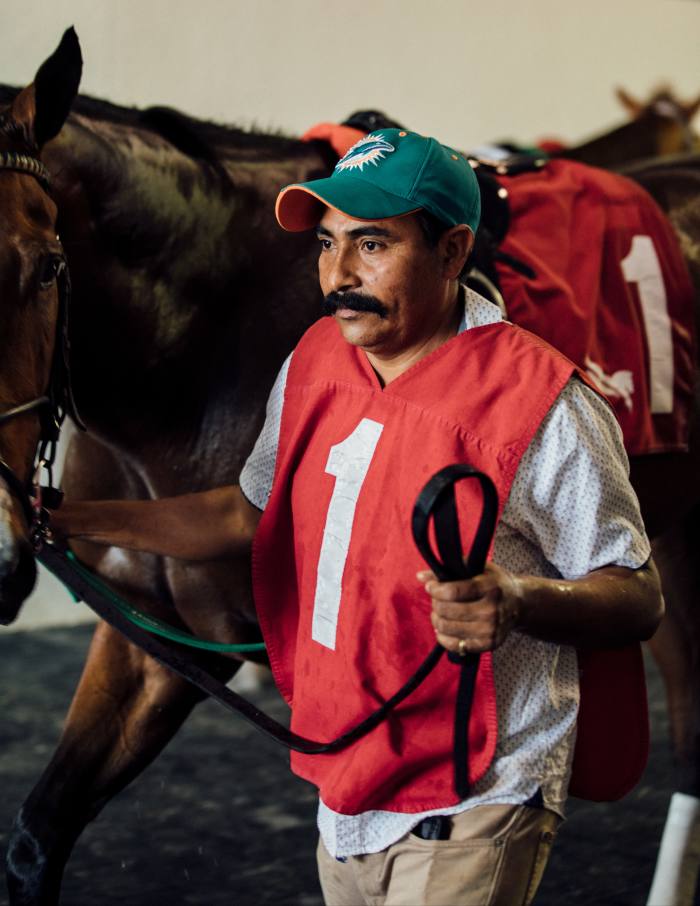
(633, 107)
(691, 108)
(55, 87)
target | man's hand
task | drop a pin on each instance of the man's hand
(611, 606)
(478, 613)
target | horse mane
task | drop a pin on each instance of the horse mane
(195, 138)
(207, 141)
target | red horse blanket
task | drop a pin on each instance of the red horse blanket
(611, 291)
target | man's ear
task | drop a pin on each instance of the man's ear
(455, 247)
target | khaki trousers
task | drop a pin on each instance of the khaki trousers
(495, 856)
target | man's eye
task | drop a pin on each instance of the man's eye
(370, 245)
(325, 244)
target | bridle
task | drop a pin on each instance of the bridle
(57, 401)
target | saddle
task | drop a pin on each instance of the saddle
(586, 259)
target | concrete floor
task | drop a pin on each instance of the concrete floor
(218, 819)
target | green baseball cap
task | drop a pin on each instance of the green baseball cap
(388, 173)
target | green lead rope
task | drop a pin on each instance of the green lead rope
(149, 623)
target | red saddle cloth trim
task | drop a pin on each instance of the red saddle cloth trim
(575, 225)
(612, 736)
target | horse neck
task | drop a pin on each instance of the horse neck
(173, 261)
(639, 139)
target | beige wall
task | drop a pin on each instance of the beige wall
(468, 72)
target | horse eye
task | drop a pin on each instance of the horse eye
(51, 266)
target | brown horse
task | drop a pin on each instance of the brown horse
(179, 326)
(657, 127)
(664, 102)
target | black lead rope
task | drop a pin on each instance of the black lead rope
(437, 499)
(170, 656)
(58, 563)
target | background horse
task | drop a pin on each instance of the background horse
(665, 102)
(186, 297)
(659, 126)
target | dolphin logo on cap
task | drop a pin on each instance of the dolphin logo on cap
(369, 150)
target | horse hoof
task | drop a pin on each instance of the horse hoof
(26, 865)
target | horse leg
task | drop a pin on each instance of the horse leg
(126, 708)
(676, 649)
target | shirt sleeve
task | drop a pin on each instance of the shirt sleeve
(259, 470)
(571, 497)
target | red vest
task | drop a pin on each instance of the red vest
(344, 618)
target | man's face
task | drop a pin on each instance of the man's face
(385, 266)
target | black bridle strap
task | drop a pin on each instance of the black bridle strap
(39, 403)
(170, 656)
(61, 385)
(24, 163)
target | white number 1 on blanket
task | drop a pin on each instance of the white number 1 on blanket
(348, 461)
(642, 267)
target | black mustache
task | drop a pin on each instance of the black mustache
(353, 301)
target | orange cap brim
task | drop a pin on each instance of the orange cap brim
(299, 209)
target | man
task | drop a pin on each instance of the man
(412, 372)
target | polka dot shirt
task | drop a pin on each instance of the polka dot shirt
(570, 510)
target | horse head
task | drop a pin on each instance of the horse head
(673, 116)
(31, 263)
